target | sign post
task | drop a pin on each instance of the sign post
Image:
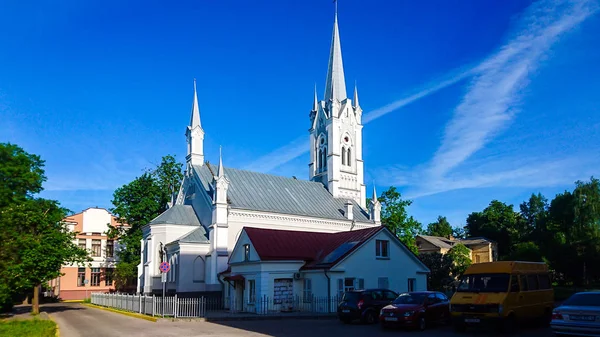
(164, 269)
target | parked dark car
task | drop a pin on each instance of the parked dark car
(578, 315)
(364, 305)
(416, 310)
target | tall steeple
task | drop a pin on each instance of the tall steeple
(335, 84)
(315, 106)
(195, 135)
(336, 133)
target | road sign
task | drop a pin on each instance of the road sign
(164, 267)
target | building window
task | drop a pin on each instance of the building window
(251, 291)
(95, 280)
(108, 276)
(343, 156)
(412, 283)
(307, 290)
(110, 248)
(81, 277)
(246, 252)
(477, 259)
(382, 248)
(350, 284)
(81, 244)
(96, 248)
(348, 162)
(383, 283)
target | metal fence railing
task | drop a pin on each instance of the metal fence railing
(170, 306)
(173, 306)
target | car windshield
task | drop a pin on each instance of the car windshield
(584, 300)
(407, 298)
(351, 297)
(484, 283)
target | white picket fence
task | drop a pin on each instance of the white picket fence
(171, 306)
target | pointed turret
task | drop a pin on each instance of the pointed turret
(375, 208)
(335, 84)
(355, 103)
(220, 171)
(315, 106)
(195, 120)
(195, 135)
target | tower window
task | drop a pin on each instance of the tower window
(325, 157)
(349, 160)
(343, 156)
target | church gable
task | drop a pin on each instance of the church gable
(269, 193)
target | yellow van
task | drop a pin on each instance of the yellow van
(502, 293)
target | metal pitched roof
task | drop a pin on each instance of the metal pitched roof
(312, 247)
(438, 241)
(270, 193)
(177, 215)
(196, 236)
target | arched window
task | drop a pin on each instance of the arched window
(343, 156)
(320, 160)
(325, 157)
(349, 160)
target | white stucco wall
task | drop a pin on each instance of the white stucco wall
(191, 257)
(363, 263)
(95, 220)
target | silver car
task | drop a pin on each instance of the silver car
(579, 315)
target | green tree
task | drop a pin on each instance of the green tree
(136, 204)
(526, 251)
(395, 217)
(461, 258)
(440, 266)
(498, 222)
(440, 228)
(534, 213)
(35, 241)
(459, 232)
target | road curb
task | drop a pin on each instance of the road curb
(57, 332)
(126, 313)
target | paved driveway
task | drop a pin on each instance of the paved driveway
(76, 320)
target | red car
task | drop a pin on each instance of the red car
(416, 310)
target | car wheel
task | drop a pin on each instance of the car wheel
(509, 325)
(370, 317)
(459, 327)
(422, 323)
(547, 318)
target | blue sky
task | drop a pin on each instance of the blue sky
(464, 101)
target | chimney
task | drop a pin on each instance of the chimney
(349, 212)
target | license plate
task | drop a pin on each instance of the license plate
(391, 319)
(471, 320)
(582, 318)
(345, 311)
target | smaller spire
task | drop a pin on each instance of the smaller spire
(316, 100)
(195, 120)
(374, 197)
(220, 172)
(355, 99)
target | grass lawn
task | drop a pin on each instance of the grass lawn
(28, 327)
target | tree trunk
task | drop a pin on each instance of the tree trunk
(35, 307)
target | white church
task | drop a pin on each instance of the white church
(240, 234)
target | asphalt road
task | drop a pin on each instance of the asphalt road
(76, 320)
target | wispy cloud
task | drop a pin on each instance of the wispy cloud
(300, 145)
(493, 99)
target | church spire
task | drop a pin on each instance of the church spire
(220, 171)
(315, 106)
(195, 135)
(355, 99)
(195, 120)
(335, 84)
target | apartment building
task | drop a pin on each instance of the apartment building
(78, 281)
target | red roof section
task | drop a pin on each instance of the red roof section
(273, 244)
